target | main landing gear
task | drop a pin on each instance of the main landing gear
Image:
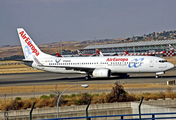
(88, 77)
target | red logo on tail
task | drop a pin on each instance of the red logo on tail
(27, 40)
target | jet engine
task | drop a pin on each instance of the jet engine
(102, 72)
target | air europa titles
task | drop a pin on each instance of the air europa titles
(117, 59)
(27, 40)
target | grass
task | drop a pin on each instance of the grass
(48, 101)
(74, 99)
(45, 88)
(17, 69)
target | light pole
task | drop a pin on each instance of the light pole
(85, 86)
(61, 46)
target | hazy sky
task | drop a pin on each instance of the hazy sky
(49, 21)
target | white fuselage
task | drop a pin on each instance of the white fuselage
(121, 64)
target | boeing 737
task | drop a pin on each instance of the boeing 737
(97, 67)
(80, 54)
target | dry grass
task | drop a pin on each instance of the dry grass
(45, 88)
(70, 100)
(154, 96)
(10, 61)
(145, 85)
(40, 88)
(73, 99)
(16, 68)
(171, 59)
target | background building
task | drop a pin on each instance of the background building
(131, 47)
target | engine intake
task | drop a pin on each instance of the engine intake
(102, 72)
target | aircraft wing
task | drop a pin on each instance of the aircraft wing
(76, 68)
(26, 60)
(86, 69)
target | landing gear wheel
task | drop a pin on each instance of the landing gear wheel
(87, 78)
(157, 76)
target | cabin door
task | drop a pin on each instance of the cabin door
(151, 62)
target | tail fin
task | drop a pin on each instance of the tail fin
(171, 47)
(126, 52)
(79, 53)
(58, 55)
(101, 54)
(98, 52)
(28, 46)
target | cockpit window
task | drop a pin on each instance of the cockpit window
(162, 61)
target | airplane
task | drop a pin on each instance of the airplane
(171, 51)
(171, 48)
(58, 55)
(97, 67)
(95, 54)
(134, 54)
(80, 54)
(143, 53)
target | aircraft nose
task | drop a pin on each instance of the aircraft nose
(170, 66)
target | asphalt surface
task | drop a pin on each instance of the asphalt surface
(46, 78)
(21, 79)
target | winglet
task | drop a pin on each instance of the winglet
(58, 55)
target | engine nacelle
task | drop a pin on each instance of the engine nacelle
(102, 72)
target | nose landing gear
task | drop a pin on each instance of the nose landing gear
(159, 73)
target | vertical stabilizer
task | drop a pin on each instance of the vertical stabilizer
(28, 46)
(101, 54)
(79, 53)
(171, 47)
(126, 52)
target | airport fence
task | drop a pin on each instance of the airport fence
(140, 86)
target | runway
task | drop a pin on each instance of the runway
(41, 78)
(45, 78)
